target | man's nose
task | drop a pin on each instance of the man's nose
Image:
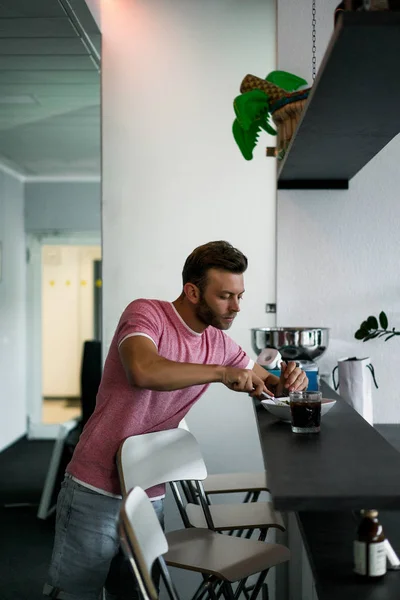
(235, 305)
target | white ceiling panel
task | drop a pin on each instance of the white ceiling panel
(33, 47)
(25, 114)
(31, 8)
(36, 27)
(49, 88)
(56, 146)
(46, 63)
(50, 78)
(77, 90)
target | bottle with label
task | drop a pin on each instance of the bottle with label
(369, 546)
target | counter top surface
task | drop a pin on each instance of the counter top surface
(349, 465)
(328, 538)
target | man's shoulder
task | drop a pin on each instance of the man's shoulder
(147, 306)
(144, 302)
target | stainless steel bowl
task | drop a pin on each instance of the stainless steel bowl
(294, 343)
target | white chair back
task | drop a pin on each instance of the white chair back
(144, 538)
(183, 425)
(160, 457)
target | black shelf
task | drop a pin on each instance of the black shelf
(353, 109)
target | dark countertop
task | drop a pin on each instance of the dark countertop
(328, 538)
(327, 532)
(347, 466)
(391, 433)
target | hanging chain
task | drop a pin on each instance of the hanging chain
(314, 48)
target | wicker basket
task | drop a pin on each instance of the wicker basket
(252, 82)
(286, 119)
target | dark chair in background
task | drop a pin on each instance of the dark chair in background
(90, 378)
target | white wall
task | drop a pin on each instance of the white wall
(12, 311)
(338, 250)
(62, 206)
(173, 177)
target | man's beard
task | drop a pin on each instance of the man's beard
(206, 315)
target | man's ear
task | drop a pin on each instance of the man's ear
(192, 292)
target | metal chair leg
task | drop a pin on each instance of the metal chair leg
(259, 584)
(228, 591)
(264, 592)
(206, 588)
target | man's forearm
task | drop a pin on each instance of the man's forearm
(166, 375)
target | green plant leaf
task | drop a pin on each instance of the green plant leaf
(250, 106)
(370, 330)
(372, 323)
(383, 320)
(371, 336)
(267, 127)
(285, 80)
(360, 334)
(390, 336)
(246, 140)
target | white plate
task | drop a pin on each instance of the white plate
(283, 412)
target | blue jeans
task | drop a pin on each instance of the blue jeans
(86, 554)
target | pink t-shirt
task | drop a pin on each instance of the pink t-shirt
(123, 410)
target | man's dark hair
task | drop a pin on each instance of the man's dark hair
(214, 255)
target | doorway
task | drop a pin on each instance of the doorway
(64, 287)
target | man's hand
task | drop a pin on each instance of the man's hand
(292, 379)
(244, 380)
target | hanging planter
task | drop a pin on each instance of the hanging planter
(279, 98)
(285, 107)
(276, 99)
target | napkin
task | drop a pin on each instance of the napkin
(270, 357)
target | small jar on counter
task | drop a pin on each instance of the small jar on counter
(370, 547)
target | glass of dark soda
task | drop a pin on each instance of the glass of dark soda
(305, 408)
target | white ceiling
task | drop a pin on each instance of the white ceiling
(49, 89)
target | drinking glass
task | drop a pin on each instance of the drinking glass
(305, 408)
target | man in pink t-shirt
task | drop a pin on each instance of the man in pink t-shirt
(162, 358)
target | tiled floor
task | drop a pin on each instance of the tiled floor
(60, 410)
